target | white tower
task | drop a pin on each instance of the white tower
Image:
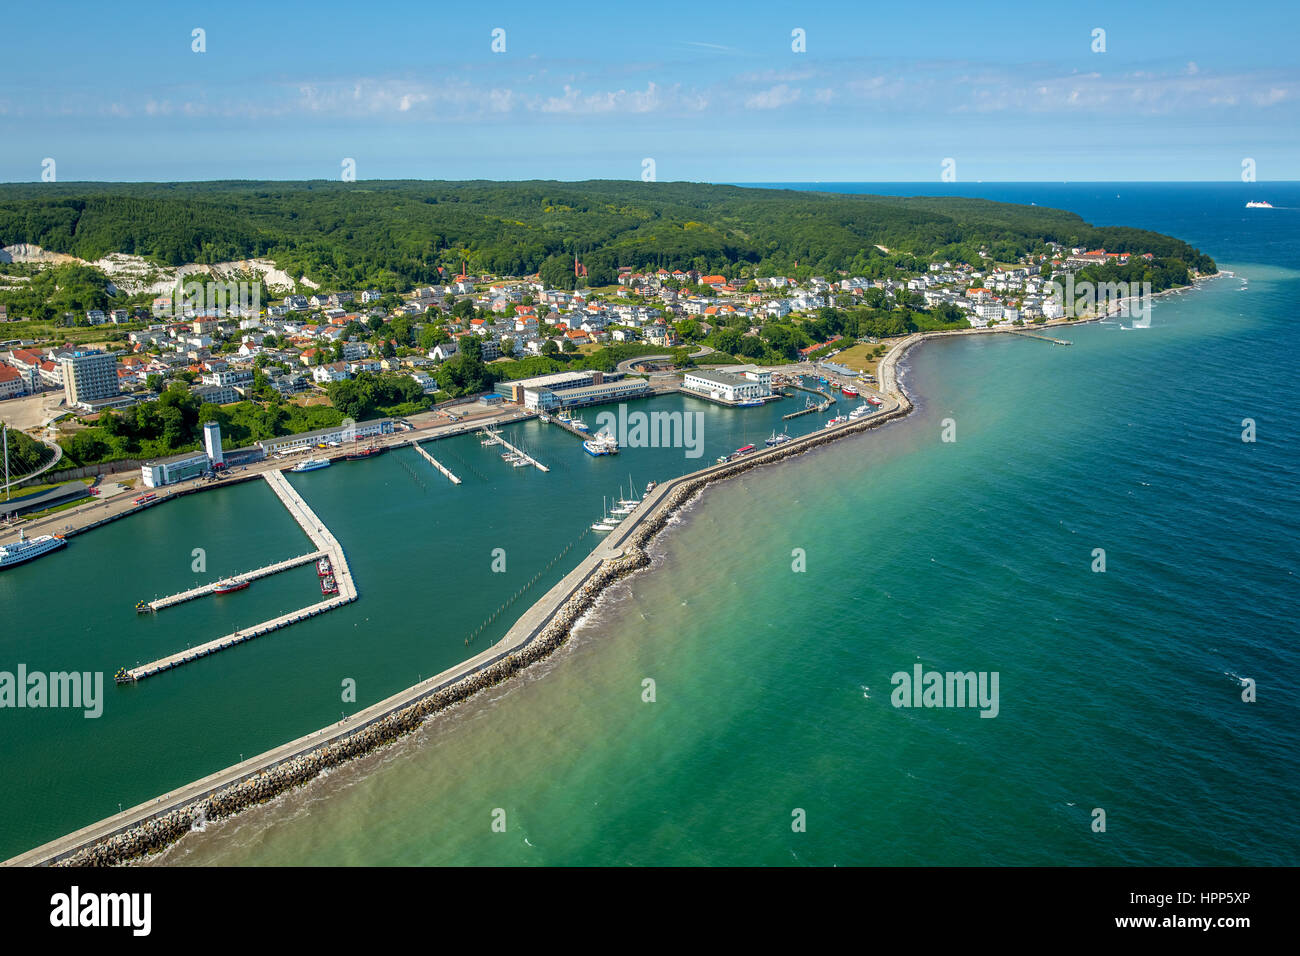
(212, 442)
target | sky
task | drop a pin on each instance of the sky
(716, 92)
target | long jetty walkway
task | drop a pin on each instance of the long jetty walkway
(524, 455)
(436, 464)
(326, 544)
(180, 598)
(1037, 335)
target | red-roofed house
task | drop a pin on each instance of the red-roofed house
(12, 383)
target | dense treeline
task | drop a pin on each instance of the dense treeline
(51, 292)
(173, 423)
(392, 235)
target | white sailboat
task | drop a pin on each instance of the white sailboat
(603, 524)
(631, 491)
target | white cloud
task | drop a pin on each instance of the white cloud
(773, 98)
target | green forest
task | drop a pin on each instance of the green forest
(392, 235)
(174, 421)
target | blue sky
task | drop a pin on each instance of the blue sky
(710, 92)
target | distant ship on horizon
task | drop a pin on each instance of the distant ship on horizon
(1259, 204)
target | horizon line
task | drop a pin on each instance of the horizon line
(690, 182)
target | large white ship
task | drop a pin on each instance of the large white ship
(311, 464)
(25, 549)
(1259, 204)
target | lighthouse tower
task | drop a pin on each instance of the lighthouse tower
(212, 442)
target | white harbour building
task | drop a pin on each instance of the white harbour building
(743, 384)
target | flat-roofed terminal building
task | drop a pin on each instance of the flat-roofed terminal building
(341, 434)
(746, 382)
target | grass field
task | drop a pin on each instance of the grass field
(864, 357)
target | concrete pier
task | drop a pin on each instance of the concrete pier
(528, 458)
(565, 426)
(1035, 335)
(437, 464)
(180, 598)
(327, 545)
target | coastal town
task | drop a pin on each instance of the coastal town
(652, 336)
(223, 346)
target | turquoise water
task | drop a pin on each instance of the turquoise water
(422, 552)
(773, 687)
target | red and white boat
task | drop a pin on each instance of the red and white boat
(874, 401)
(328, 585)
(323, 567)
(849, 390)
(225, 587)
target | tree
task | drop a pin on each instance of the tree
(569, 347)
(550, 349)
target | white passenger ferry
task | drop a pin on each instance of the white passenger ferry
(25, 549)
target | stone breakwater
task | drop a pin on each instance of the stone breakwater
(157, 833)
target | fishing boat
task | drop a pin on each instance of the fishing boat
(323, 567)
(749, 403)
(723, 459)
(849, 390)
(874, 401)
(328, 585)
(311, 464)
(579, 424)
(27, 549)
(603, 524)
(362, 454)
(744, 450)
(602, 443)
(776, 439)
(226, 587)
